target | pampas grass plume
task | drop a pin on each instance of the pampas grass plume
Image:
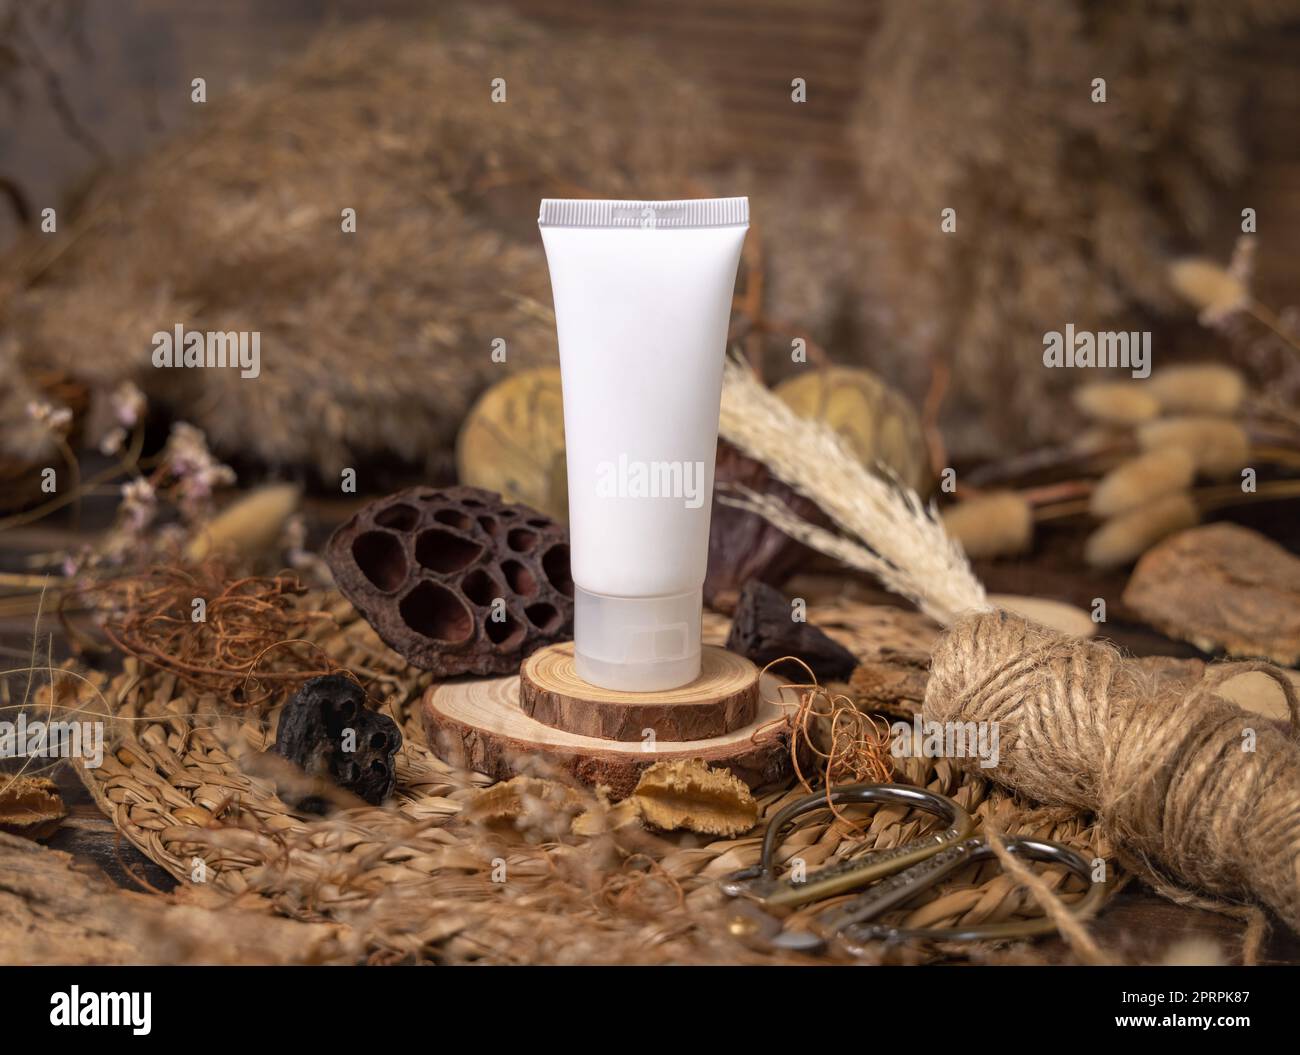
(1125, 538)
(883, 526)
(1219, 447)
(1137, 481)
(1203, 388)
(993, 525)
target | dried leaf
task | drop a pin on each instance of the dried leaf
(524, 801)
(30, 806)
(603, 817)
(688, 794)
(249, 525)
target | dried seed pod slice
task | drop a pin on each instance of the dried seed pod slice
(688, 794)
(879, 423)
(512, 441)
(455, 579)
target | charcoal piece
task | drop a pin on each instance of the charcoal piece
(744, 546)
(456, 579)
(327, 731)
(763, 630)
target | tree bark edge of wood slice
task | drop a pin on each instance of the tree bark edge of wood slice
(721, 700)
(477, 723)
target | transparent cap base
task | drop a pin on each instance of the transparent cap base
(637, 644)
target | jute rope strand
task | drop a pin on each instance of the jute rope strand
(1186, 783)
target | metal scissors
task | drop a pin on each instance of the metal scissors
(892, 877)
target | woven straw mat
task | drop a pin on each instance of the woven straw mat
(413, 882)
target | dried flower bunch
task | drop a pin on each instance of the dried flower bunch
(1065, 207)
(375, 342)
(1150, 442)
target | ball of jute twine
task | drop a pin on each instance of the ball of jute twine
(1191, 786)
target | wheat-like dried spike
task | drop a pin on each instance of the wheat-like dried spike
(894, 536)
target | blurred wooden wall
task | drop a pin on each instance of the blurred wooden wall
(749, 51)
(131, 86)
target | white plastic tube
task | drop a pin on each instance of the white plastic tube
(642, 303)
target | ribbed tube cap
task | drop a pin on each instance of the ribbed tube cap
(637, 644)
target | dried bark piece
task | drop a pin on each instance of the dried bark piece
(456, 580)
(742, 545)
(53, 911)
(327, 732)
(893, 682)
(1224, 588)
(764, 631)
(688, 794)
(30, 806)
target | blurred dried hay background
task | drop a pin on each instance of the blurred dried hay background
(226, 216)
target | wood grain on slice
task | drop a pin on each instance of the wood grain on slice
(722, 699)
(477, 723)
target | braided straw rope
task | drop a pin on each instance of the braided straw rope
(412, 881)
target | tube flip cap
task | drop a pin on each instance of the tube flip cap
(637, 644)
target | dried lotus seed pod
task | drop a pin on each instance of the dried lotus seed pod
(327, 731)
(455, 579)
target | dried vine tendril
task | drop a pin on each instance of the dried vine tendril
(245, 643)
(849, 744)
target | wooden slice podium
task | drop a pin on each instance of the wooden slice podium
(602, 736)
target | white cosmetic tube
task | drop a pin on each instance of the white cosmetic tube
(642, 303)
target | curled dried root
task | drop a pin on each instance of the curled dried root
(245, 641)
(849, 745)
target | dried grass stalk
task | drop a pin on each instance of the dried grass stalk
(373, 343)
(986, 108)
(1128, 536)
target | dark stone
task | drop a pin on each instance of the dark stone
(313, 734)
(455, 579)
(763, 631)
